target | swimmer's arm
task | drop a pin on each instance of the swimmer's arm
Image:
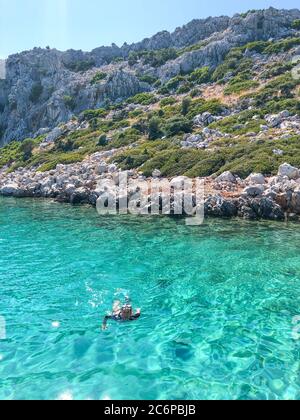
(136, 315)
(104, 324)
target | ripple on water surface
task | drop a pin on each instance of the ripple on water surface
(217, 302)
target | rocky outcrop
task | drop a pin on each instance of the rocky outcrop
(256, 179)
(84, 183)
(289, 171)
(260, 25)
(43, 93)
(226, 177)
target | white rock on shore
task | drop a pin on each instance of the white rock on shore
(255, 179)
(256, 197)
(9, 189)
(288, 170)
(226, 177)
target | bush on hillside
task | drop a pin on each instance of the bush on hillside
(200, 76)
(154, 128)
(296, 24)
(143, 99)
(36, 92)
(69, 102)
(177, 125)
(98, 77)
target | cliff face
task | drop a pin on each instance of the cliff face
(258, 26)
(40, 92)
(45, 87)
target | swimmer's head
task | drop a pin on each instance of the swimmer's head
(126, 312)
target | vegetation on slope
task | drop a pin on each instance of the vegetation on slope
(148, 128)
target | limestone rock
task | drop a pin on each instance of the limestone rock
(256, 179)
(156, 173)
(226, 177)
(289, 171)
(10, 189)
(254, 190)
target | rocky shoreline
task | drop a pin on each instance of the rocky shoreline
(257, 197)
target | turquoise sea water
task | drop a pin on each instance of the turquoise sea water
(217, 306)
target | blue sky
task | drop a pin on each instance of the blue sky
(87, 24)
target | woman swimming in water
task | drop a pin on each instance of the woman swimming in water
(122, 313)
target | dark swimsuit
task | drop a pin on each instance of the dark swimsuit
(118, 317)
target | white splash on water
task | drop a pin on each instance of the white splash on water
(97, 298)
(66, 396)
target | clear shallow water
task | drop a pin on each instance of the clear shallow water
(217, 302)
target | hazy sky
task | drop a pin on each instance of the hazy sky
(87, 24)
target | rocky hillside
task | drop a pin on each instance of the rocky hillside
(46, 87)
(217, 95)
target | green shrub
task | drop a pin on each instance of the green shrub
(18, 153)
(199, 106)
(89, 114)
(185, 105)
(257, 46)
(280, 88)
(246, 14)
(241, 82)
(36, 92)
(98, 77)
(126, 137)
(133, 59)
(154, 128)
(168, 101)
(64, 145)
(80, 66)
(117, 60)
(26, 148)
(102, 140)
(194, 47)
(194, 93)
(160, 57)
(238, 155)
(242, 159)
(143, 99)
(177, 125)
(244, 119)
(172, 85)
(271, 47)
(296, 24)
(201, 75)
(277, 70)
(69, 102)
(172, 162)
(50, 161)
(185, 88)
(163, 90)
(155, 58)
(9, 153)
(277, 105)
(234, 63)
(142, 126)
(135, 113)
(148, 78)
(136, 157)
(282, 46)
(238, 87)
